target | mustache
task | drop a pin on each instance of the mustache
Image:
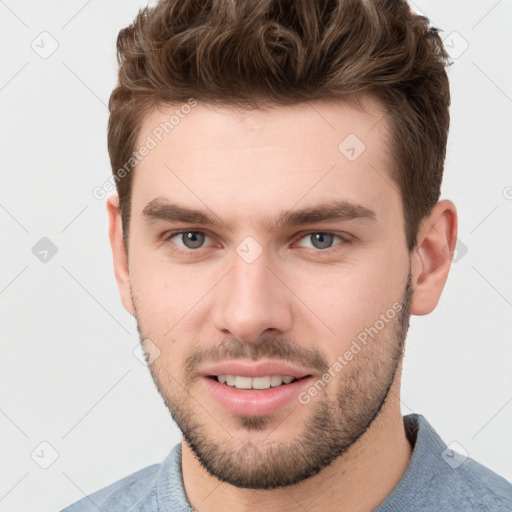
(265, 348)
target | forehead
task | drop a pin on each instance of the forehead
(272, 158)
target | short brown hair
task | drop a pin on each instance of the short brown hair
(246, 53)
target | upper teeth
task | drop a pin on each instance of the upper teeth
(240, 382)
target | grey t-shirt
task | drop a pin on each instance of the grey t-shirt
(437, 479)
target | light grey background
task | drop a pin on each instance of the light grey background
(69, 376)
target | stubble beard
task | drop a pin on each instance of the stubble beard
(332, 427)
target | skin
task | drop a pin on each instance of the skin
(246, 167)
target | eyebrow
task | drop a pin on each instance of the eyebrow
(162, 209)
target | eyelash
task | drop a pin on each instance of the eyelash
(167, 237)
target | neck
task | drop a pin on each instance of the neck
(359, 480)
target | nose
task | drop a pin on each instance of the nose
(252, 300)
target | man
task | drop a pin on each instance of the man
(278, 167)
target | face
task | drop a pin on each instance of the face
(270, 278)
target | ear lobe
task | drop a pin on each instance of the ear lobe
(120, 257)
(433, 256)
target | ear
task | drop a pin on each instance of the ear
(119, 254)
(433, 256)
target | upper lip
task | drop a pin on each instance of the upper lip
(252, 369)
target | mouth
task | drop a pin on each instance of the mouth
(256, 383)
(255, 389)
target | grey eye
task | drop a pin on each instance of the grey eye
(192, 239)
(321, 240)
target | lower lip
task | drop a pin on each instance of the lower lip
(255, 402)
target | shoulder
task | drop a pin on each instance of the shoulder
(121, 495)
(480, 486)
(440, 478)
(155, 487)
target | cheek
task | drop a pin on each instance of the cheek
(167, 295)
(349, 299)
(162, 304)
(159, 296)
